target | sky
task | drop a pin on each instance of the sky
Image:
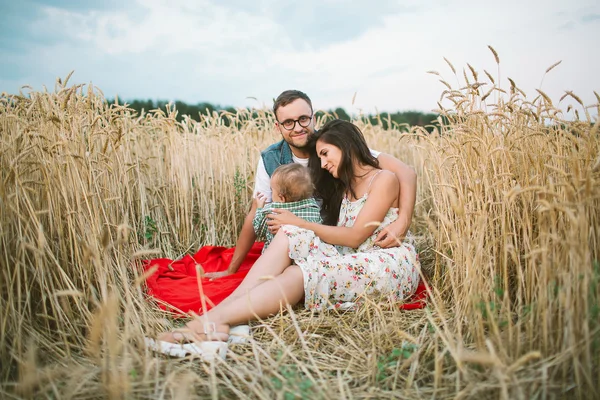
(364, 56)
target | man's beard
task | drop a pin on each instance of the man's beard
(305, 145)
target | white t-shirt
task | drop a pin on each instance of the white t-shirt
(262, 182)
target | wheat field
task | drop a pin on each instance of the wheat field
(507, 224)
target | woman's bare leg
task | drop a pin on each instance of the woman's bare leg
(271, 263)
(260, 302)
(266, 273)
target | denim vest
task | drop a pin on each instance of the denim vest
(275, 155)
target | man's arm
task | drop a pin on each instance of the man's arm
(247, 236)
(242, 246)
(244, 242)
(390, 236)
(262, 194)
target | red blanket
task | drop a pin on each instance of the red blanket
(175, 283)
(176, 287)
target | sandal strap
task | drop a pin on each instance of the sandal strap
(211, 325)
(210, 332)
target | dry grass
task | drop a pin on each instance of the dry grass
(507, 220)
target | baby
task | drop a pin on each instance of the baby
(292, 190)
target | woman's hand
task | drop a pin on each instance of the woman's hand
(392, 235)
(281, 217)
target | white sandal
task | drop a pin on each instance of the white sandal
(239, 334)
(207, 350)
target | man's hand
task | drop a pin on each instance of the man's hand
(392, 235)
(216, 275)
(261, 199)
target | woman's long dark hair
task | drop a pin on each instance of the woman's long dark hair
(350, 140)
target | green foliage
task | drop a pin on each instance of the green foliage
(498, 289)
(240, 183)
(195, 111)
(150, 228)
(340, 113)
(491, 310)
(594, 305)
(133, 374)
(294, 383)
(386, 364)
(406, 118)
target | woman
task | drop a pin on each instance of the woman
(329, 265)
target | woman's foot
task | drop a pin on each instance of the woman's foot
(197, 331)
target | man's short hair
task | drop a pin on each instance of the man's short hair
(289, 96)
(294, 182)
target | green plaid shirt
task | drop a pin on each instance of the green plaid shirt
(307, 209)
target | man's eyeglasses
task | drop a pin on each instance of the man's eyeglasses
(290, 124)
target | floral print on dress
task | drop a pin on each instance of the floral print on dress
(339, 276)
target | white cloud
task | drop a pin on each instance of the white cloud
(165, 28)
(406, 46)
(223, 52)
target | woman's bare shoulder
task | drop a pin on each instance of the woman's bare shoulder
(385, 177)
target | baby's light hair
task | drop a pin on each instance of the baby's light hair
(294, 182)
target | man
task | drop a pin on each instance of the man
(296, 122)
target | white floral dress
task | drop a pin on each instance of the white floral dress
(339, 276)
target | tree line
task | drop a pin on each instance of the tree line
(195, 111)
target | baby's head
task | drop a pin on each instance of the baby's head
(291, 182)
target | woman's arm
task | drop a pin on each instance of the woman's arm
(382, 195)
(394, 233)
